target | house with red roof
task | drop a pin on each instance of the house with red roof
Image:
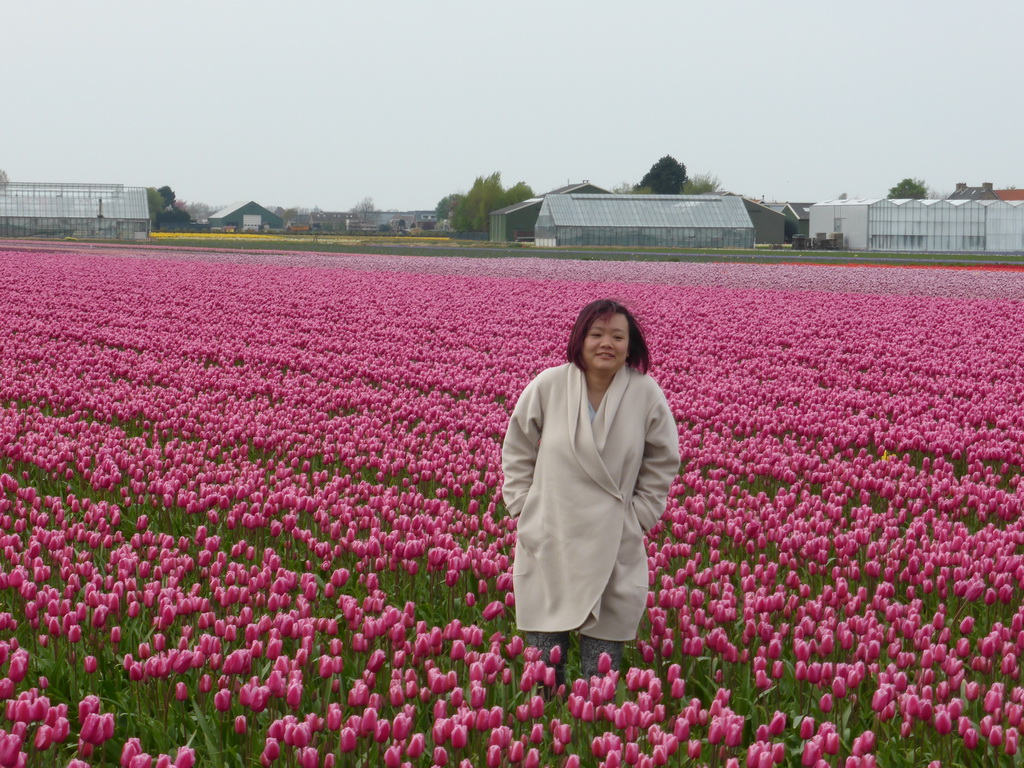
(1010, 194)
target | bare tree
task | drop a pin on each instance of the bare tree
(364, 208)
(198, 211)
(362, 213)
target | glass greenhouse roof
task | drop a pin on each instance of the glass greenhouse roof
(899, 202)
(583, 210)
(73, 201)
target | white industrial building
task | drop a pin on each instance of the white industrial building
(922, 225)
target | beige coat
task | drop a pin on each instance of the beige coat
(584, 494)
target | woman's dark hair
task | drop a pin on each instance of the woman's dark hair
(638, 355)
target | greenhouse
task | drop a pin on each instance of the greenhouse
(923, 225)
(102, 211)
(666, 221)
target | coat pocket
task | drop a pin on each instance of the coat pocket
(643, 514)
(529, 525)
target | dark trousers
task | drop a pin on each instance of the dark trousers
(590, 652)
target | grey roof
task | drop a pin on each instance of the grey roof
(519, 206)
(572, 188)
(963, 192)
(918, 203)
(802, 210)
(759, 204)
(971, 193)
(852, 201)
(73, 201)
(582, 210)
(227, 211)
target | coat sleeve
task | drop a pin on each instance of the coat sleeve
(659, 466)
(519, 451)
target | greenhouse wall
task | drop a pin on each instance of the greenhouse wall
(98, 229)
(656, 237)
(665, 221)
(99, 211)
(944, 226)
(913, 226)
(1004, 227)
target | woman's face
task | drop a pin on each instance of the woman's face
(606, 344)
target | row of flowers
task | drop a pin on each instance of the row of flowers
(250, 512)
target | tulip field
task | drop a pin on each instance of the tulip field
(250, 514)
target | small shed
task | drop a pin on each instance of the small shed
(798, 219)
(769, 224)
(668, 221)
(246, 217)
(515, 222)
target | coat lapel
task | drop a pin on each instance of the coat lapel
(609, 407)
(582, 432)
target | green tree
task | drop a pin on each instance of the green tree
(447, 205)
(516, 194)
(483, 197)
(174, 215)
(164, 207)
(156, 203)
(909, 189)
(629, 188)
(486, 195)
(703, 184)
(168, 196)
(3, 176)
(666, 177)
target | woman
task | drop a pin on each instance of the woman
(589, 456)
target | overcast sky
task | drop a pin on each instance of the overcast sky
(324, 102)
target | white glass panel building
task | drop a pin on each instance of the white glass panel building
(667, 221)
(99, 211)
(945, 226)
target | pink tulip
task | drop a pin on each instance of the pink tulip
(222, 700)
(811, 753)
(493, 610)
(1011, 741)
(971, 738)
(416, 745)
